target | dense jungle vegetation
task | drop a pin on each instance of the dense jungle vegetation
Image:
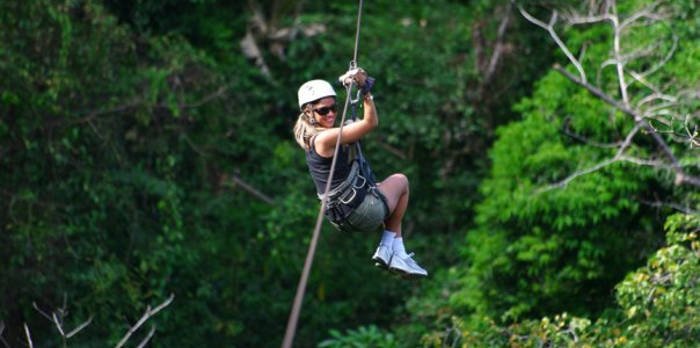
(146, 151)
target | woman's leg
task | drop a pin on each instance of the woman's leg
(395, 189)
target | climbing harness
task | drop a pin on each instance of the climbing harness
(345, 198)
(301, 288)
(356, 205)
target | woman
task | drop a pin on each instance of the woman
(353, 203)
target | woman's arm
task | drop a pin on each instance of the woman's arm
(325, 141)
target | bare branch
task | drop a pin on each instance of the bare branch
(588, 19)
(57, 319)
(663, 112)
(656, 96)
(573, 176)
(644, 13)
(221, 91)
(681, 176)
(391, 149)
(642, 162)
(691, 135)
(636, 54)
(2, 340)
(585, 140)
(146, 315)
(236, 180)
(148, 337)
(79, 328)
(619, 64)
(678, 207)
(29, 336)
(618, 156)
(550, 28)
(596, 92)
(498, 48)
(58, 324)
(574, 18)
(48, 317)
(628, 139)
(668, 56)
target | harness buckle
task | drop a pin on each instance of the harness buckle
(364, 181)
(352, 197)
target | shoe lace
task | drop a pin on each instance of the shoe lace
(409, 259)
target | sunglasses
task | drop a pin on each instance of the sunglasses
(326, 109)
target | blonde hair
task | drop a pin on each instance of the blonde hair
(305, 129)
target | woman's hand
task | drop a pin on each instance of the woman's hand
(357, 76)
(360, 77)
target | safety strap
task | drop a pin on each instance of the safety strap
(356, 149)
(347, 183)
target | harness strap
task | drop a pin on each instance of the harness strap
(349, 182)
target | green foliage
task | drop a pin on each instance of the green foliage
(537, 247)
(139, 148)
(661, 300)
(115, 157)
(556, 214)
(657, 306)
(364, 336)
(132, 133)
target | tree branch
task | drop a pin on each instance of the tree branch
(148, 337)
(58, 320)
(236, 180)
(678, 207)
(550, 28)
(79, 328)
(619, 64)
(681, 176)
(48, 317)
(663, 62)
(647, 12)
(567, 131)
(392, 150)
(573, 176)
(2, 340)
(29, 336)
(58, 324)
(498, 47)
(146, 315)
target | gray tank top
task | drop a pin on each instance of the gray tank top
(320, 167)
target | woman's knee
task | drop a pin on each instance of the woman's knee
(401, 180)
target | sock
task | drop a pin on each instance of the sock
(398, 247)
(387, 238)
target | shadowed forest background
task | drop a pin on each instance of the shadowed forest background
(146, 150)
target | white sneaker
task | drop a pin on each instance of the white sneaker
(382, 256)
(407, 266)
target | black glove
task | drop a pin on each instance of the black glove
(369, 82)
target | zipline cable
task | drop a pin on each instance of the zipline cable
(357, 34)
(301, 287)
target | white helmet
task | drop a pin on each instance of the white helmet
(314, 90)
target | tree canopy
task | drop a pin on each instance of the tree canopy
(146, 151)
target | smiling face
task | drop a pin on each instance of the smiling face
(325, 111)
